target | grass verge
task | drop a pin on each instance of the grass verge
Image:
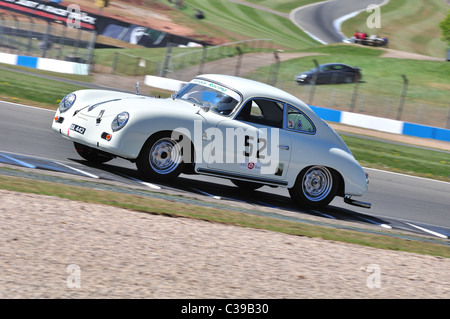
(428, 81)
(400, 158)
(175, 209)
(241, 22)
(29, 89)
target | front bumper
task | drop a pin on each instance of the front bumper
(90, 132)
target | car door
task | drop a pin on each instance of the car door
(344, 74)
(255, 145)
(325, 74)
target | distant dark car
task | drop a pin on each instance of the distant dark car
(330, 73)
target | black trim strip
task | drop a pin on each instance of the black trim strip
(231, 175)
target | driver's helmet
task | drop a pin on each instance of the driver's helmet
(225, 104)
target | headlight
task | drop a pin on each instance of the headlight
(120, 121)
(67, 102)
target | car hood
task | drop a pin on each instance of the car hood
(90, 103)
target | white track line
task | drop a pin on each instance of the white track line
(205, 193)
(323, 214)
(373, 222)
(291, 17)
(338, 22)
(149, 184)
(141, 182)
(428, 231)
(77, 170)
(30, 106)
(405, 175)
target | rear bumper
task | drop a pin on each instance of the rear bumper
(348, 200)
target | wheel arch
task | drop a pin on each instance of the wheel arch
(191, 160)
(153, 135)
(316, 186)
(340, 179)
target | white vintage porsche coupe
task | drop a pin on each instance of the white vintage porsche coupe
(230, 127)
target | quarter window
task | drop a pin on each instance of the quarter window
(298, 121)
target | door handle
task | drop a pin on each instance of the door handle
(284, 147)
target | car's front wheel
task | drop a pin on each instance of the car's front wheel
(160, 158)
(91, 154)
(315, 187)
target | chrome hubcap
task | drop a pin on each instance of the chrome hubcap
(317, 183)
(164, 156)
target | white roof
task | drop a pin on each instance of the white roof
(250, 88)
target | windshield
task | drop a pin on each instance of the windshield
(219, 99)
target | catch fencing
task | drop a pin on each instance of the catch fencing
(127, 64)
(230, 58)
(390, 99)
(401, 99)
(24, 35)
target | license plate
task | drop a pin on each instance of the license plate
(77, 128)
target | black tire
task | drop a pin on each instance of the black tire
(251, 186)
(315, 187)
(91, 154)
(160, 158)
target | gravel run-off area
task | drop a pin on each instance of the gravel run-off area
(56, 248)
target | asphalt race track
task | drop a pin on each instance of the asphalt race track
(398, 201)
(318, 19)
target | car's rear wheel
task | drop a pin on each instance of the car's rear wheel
(91, 154)
(315, 187)
(160, 158)
(246, 185)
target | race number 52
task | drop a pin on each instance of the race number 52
(261, 145)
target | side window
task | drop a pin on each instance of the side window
(297, 121)
(255, 110)
(262, 111)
